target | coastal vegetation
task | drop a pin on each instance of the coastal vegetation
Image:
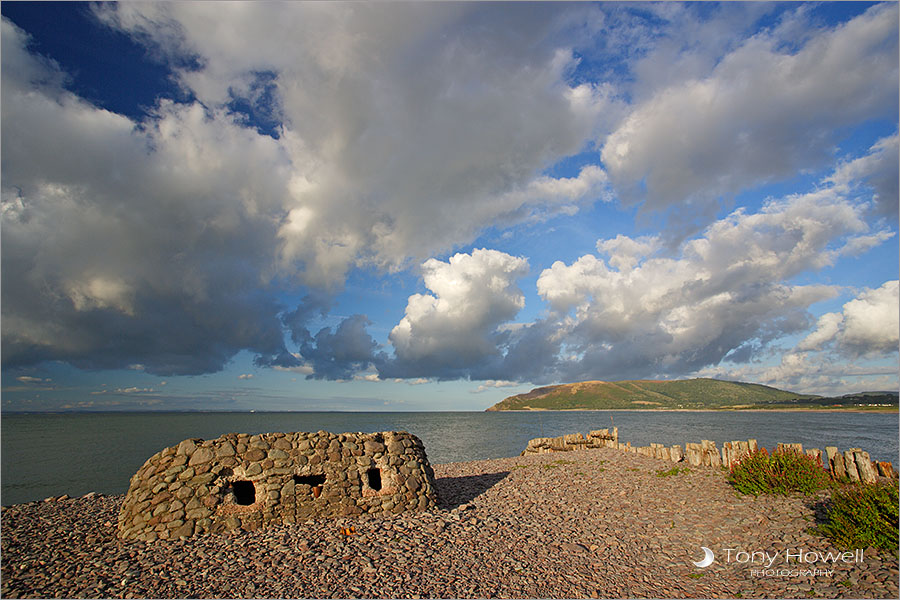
(781, 472)
(859, 515)
(685, 394)
(862, 515)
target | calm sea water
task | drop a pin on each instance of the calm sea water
(74, 453)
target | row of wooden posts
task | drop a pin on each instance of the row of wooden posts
(854, 464)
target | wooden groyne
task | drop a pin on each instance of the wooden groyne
(854, 464)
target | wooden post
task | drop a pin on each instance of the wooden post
(751, 444)
(885, 469)
(710, 455)
(715, 459)
(839, 468)
(864, 467)
(815, 454)
(782, 447)
(850, 465)
(743, 450)
(726, 454)
(676, 453)
(831, 456)
(693, 453)
(704, 452)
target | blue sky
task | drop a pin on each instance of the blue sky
(353, 206)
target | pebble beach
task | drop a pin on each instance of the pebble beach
(591, 524)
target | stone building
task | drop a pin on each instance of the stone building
(241, 481)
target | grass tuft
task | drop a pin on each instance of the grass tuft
(672, 471)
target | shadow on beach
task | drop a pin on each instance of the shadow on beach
(454, 491)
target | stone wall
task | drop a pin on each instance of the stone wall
(242, 481)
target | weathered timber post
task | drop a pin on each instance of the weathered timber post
(676, 454)
(815, 454)
(790, 448)
(704, 452)
(573, 441)
(850, 464)
(710, 455)
(885, 469)
(835, 463)
(865, 468)
(715, 459)
(693, 454)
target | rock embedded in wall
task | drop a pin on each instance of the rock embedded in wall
(242, 481)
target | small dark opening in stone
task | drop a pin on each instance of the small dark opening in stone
(374, 478)
(312, 480)
(244, 492)
(315, 483)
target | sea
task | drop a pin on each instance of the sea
(75, 453)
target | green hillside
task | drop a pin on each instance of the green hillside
(646, 394)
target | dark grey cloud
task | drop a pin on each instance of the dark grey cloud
(127, 243)
(342, 352)
(325, 137)
(333, 137)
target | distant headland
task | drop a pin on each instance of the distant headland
(687, 394)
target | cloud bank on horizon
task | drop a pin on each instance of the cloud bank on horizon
(735, 164)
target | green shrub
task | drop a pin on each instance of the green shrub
(863, 515)
(782, 472)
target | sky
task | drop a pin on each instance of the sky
(433, 206)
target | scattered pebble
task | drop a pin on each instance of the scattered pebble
(599, 525)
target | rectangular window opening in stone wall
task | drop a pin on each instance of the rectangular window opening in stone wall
(315, 482)
(244, 492)
(373, 477)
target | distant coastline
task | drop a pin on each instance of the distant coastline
(874, 409)
(690, 394)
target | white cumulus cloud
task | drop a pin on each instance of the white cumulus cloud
(872, 321)
(763, 112)
(726, 295)
(456, 328)
(409, 128)
(868, 324)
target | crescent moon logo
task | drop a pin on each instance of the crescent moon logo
(708, 558)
